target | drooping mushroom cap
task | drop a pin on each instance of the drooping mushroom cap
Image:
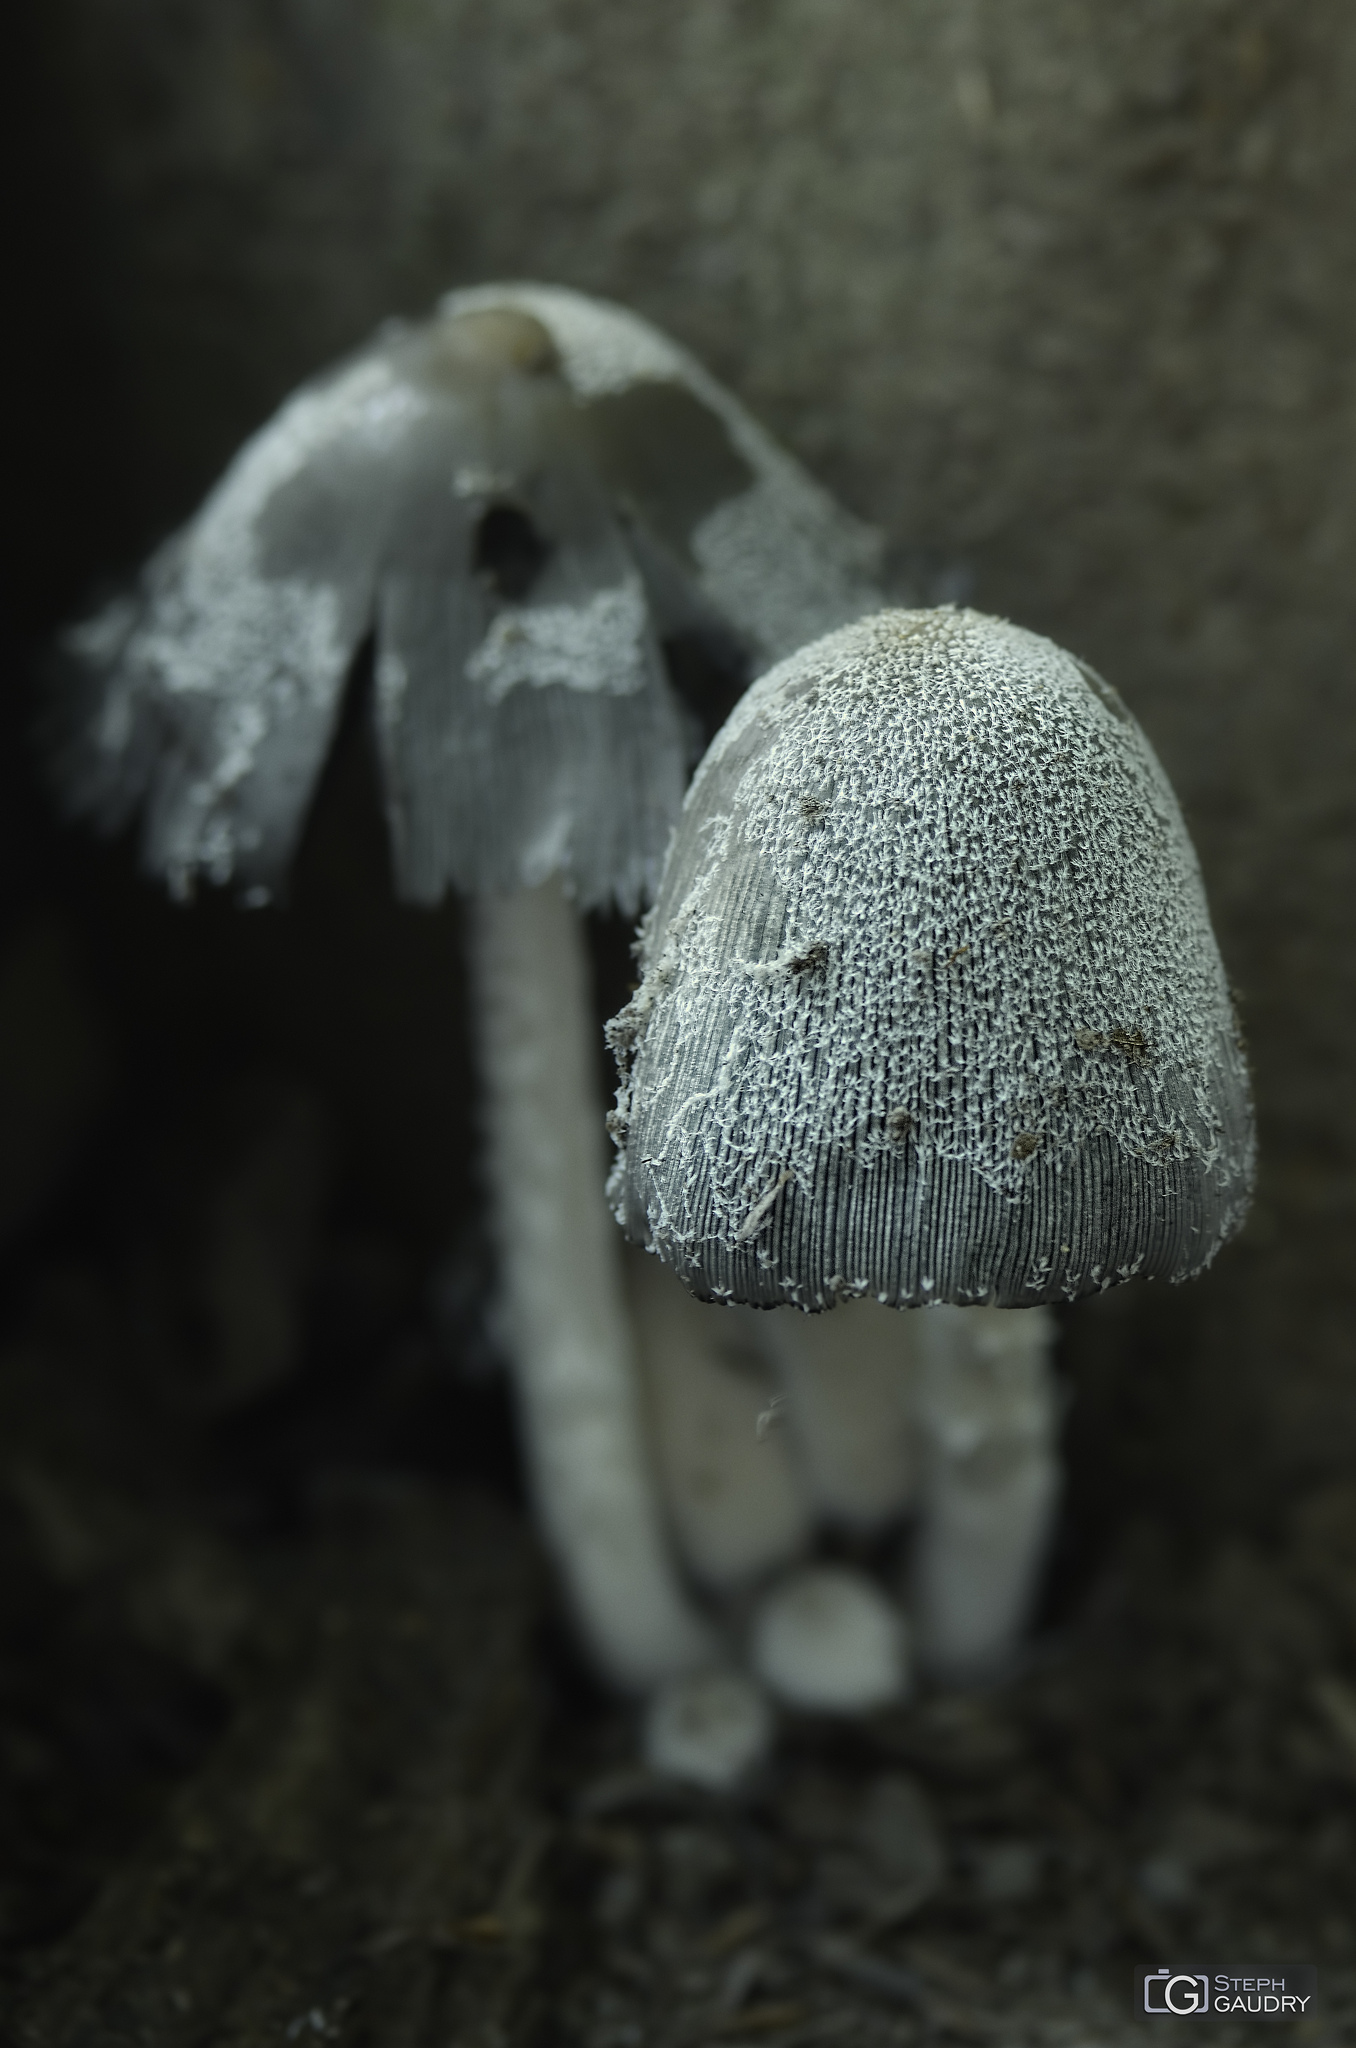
(520, 498)
(931, 1007)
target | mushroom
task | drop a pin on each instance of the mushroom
(932, 1009)
(522, 499)
(932, 1012)
(826, 1641)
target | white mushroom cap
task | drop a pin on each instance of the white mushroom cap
(520, 498)
(708, 1728)
(932, 1009)
(827, 1640)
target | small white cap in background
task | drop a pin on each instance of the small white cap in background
(827, 1640)
(708, 1728)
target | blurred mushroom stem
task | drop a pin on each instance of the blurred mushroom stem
(953, 1413)
(578, 1386)
(987, 1418)
(949, 1414)
(849, 1380)
(726, 1466)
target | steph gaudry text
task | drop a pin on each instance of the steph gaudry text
(1246, 1994)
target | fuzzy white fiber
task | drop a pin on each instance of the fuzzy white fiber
(931, 1009)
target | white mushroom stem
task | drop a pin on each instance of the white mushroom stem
(725, 1462)
(574, 1369)
(987, 1416)
(849, 1383)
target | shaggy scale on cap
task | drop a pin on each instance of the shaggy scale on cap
(519, 498)
(931, 1009)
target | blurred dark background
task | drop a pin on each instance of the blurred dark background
(1061, 290)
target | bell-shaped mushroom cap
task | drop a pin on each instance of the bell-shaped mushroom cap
(520, 498)
(931, 1006)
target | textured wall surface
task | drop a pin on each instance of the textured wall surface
(1060, 287)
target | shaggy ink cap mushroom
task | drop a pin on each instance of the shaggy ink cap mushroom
(521, 498)
(931, 1009)
(525, 503)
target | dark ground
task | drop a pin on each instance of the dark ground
(291, 1744)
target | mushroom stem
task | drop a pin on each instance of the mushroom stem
(849, 1379)
(727, 1473)
(988, 1415)
(576, 1379)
